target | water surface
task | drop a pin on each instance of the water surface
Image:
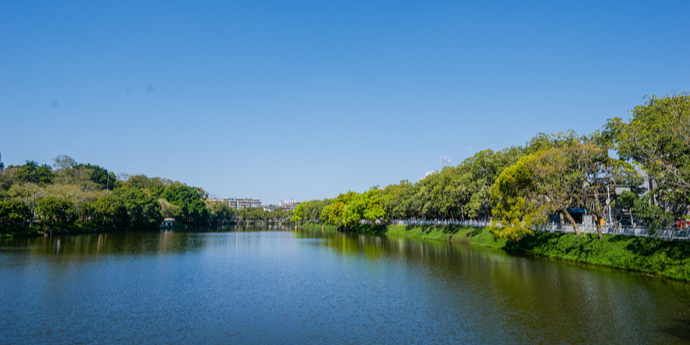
(312, 287)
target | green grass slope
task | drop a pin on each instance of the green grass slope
(658, 257)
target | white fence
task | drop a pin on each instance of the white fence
(638, 231)
(439, 222)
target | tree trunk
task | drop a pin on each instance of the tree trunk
(572, 221)
(632, 222)
(598, 224)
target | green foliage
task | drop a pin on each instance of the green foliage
(478, 174)
(518, 187)
(661, 257)
(220, 212)
(461, 192)
(349, 210)
(155, 186)
(651, 215)
(310, 211)
(551, 181)
(298, 215)
(334, 213)
(143, 211)
(396, 199)
(14, 213)
(100, 176)
(658, 138)
(87, 177)
(109, 212)
(78, 196)
(514, 214)
(543, 142)
(259, 214)
(649, 255)
(191, 203)
(54, 211)
(6, 181)
(33, 173)
(64, 162)
(127, 208)
(170, 210)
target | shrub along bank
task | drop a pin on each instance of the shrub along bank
(659, 257)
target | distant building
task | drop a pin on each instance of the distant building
(289, 204)
(243, 203)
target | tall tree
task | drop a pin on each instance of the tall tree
(191, 202)
(32, 172)
(552, 181)
(14, 213)
(64, 162)
(658, 138)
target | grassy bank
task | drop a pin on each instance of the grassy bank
(664, 258)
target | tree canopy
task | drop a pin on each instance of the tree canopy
(657, 137)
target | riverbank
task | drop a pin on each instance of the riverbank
(647, 255)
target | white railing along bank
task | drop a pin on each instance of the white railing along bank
(637, 231)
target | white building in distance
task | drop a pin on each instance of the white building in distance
(288, 204)
(239, 204)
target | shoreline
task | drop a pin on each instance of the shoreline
(661, 258)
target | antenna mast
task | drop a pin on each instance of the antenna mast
(445, 161)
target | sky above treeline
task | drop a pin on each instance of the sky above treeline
(308, 99)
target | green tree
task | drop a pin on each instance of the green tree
(599, 174)
(349, 210)
(515, 207)
(477, 174)
(658, 138)
(64, 162)
(54, 211)
(14, 214)
(143, 211)
(154, 186)
(99, 175)
(310, 211)
(110, 212)
(395, 199)
(334, 213)
(191, 202)
(298, 213)
(552, 181)
(33, 173)
(170, 210)
(221, 213)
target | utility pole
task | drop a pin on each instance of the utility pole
(608, 202)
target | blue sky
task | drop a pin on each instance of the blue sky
(308, 99)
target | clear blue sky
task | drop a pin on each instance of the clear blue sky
(308, 99)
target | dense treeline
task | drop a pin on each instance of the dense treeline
(522, 187)
(254, 214)
(69, 197)
(310, 211)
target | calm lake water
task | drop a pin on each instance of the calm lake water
(309, 287)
